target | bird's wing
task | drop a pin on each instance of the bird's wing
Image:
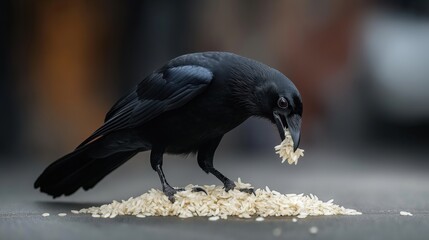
(162, 91)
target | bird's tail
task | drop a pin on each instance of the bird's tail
(84, 167)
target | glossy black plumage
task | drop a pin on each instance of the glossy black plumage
(185, 106)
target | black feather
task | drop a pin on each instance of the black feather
(81, 168)
(160, 92)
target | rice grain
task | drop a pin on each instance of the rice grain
(404, 213)
(214, 218)
(285, 150)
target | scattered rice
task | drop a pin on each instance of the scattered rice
(220, 204)
(277, 232)
(140, 216)
(45, 214)
(62, 214)
(403, 213)
(285, 150)
(75, 211)
(294, 220)
(313, 230)
(214, 218)
(260, 219)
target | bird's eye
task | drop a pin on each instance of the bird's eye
(282, 102)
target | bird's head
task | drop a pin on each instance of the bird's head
(265, 92)
(281, 103)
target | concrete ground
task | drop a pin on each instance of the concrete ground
(378, 185)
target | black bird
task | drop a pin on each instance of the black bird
(184, 107)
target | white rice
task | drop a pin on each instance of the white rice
(45, 214)
(220, 204)
(259, 219)
(285, 150)
(214, 218)
(404, 213)
(62, 214)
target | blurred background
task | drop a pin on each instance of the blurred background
(362, 68)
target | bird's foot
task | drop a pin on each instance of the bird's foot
(194, 189)
(228, 185)
(199, 189)
(248, 190)
(169, 191)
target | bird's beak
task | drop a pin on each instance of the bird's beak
(293, 122)
(280, 124)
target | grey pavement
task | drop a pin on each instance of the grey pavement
(377, 184)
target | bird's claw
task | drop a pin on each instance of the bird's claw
(170, 192)
(199, 189)
(248, 190)
(229, 185)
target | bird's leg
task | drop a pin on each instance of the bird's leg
(205, 161)
(168, 190)
(156, 162)
(156, 157)
(227, 183)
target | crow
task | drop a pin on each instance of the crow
(186, 106)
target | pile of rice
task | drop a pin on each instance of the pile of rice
(221, 204)
(285, 150)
